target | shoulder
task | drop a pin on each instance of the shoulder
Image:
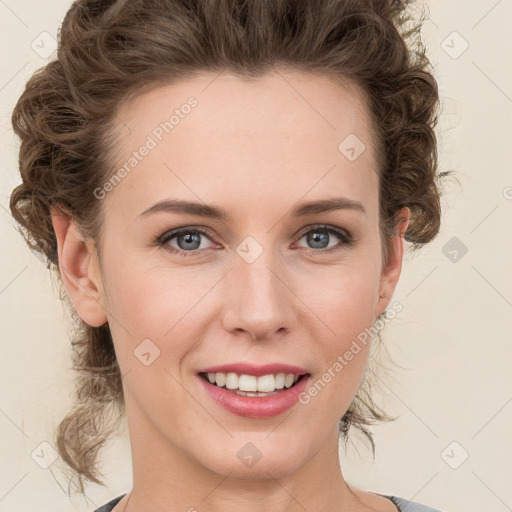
(410, 506)
(110, 505)
(398, 504)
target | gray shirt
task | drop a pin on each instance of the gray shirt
(402, 504)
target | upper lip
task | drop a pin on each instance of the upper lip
(257, 371)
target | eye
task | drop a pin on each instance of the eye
(188, 240)
(320, 235)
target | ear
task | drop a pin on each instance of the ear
(79, 268)
(391, 272)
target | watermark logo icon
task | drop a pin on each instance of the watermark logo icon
(249, 454)
(454, 455)
(351, 147)
(44, 44)
(146, 352)
(454, 45)
(454, 249)
(249, 250)
(44, 455)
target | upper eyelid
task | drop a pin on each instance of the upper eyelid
(185, 229)
(327, 227)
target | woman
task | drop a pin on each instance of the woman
(224, 189)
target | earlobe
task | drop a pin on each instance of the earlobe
(391, 272)
(79, 269)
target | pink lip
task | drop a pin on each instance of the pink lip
(250, 369)
(258, 406)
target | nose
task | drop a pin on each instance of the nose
(260, 299)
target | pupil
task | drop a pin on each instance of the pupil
(189, 238)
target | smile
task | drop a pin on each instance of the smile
(252, 385)
(283, 391)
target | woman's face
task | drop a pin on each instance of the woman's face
(264, 285)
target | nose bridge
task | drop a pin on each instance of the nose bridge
(260, 301)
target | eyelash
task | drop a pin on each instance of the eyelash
(346, 238)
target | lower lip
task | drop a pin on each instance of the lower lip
(257, 406)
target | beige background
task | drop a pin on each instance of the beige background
(453, 336)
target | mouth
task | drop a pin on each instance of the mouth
(252, 385)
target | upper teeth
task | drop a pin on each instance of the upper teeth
(243, 382)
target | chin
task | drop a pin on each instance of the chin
(253, 456)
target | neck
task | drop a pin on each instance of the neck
(165, 478)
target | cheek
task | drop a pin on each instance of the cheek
(162, 303)
(343, 298)
(141, 292)
(342, 342)
(152, 331)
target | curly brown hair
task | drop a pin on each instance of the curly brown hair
(111, 50)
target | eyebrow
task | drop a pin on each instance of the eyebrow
(216, 212)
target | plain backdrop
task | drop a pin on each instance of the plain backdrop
(451, 446)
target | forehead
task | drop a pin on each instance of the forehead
(216, 134)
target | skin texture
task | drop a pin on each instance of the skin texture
(256, 149)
